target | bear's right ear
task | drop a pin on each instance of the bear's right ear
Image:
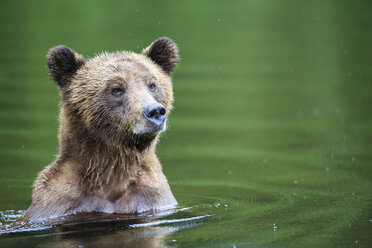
(163, 52)
(63, 63)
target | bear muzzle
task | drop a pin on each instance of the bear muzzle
(156, 115)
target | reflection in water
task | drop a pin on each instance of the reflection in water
(100, 229)
(115, 235)
(147, 237)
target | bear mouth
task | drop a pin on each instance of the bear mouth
(156, 127)
(145, 127)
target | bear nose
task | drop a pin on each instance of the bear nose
(155, 113)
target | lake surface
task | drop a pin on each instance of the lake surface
(270, 141)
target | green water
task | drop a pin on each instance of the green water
(271, 137)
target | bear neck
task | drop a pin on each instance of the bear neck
(95, 162)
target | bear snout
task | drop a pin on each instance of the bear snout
(155, 114)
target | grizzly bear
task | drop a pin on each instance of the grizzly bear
(112, 109)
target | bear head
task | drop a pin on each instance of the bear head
(120, 98)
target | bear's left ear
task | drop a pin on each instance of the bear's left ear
(63, 63)
(163, 52)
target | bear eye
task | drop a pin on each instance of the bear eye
(117, 91)
(152, 86)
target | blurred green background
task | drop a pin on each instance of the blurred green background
(272, 128)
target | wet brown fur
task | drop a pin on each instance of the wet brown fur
(107, 160)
